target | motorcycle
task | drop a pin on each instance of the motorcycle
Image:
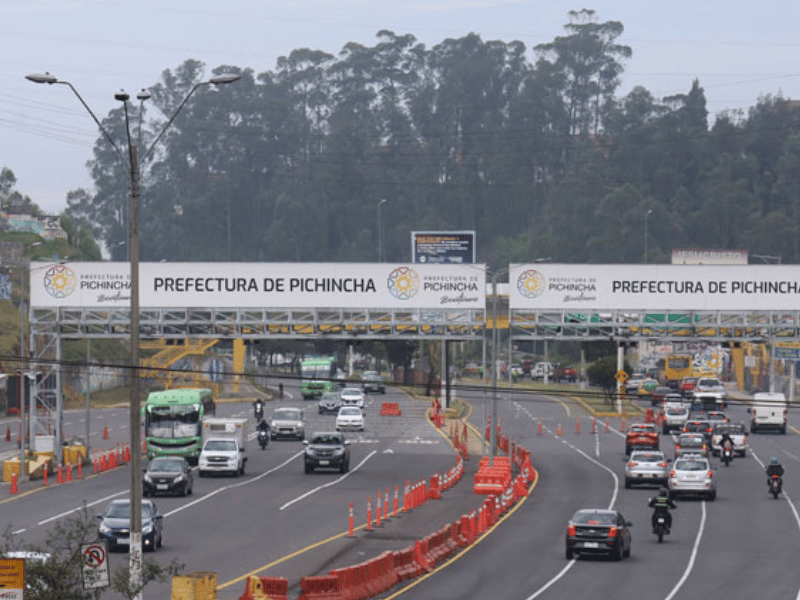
(263, 438)
(259, 411)
(660, 528)
(775, 486)
(727, 455)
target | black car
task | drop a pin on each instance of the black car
(372, 382)
(115, 525)
(598, 531)
(168, 475)
(327, 450)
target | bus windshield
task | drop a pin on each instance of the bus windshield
(316, 371)
(172, 422)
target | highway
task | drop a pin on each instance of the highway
(276, 521)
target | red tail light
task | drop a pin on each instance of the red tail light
(571, 531)
(662, 464)
(613, 532)
(632, 464)
(677, 447)
(710, 474)
(672, 473)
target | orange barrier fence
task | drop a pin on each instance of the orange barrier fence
(274, 588)
(391, 409)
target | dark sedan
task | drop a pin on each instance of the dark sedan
(598, 531)
(327, 450)
(115, 525)
(167, 475)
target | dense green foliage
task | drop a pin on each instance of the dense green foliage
(540, 157)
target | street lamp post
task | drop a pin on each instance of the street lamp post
(647, 214)
(380, 228)
(133, 164)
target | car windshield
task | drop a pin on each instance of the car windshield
(122, 510)
(691, 465)
(286, 414)
(220, 445)
(691, 441)
(642, 429)
(677, 411)
(166, 465)
(327, 438)
(349, 411)
(351, 392)
(594, 518)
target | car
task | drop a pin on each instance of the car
(647, 387)
(691, 443)
(687, 385)
(329, 402)
(372, 382)
(691, 474)
(716, 417)
(167, 474)
(352, 397)
(287, 422)
(567, 374)
(350, 418)
(327, 450)
(646, 467)
(660, 395)
(631, 384)
(115, 525)
(738, 434)
(641, 435)
(675, 417)
(708, 384)
(702, 426)
(598, 531)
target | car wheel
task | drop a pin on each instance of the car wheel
(569, 554)
(618, 553)
(241, 469)
(191, 489)
(185, 489)
(627, 449)
(627, 553)
(627, 483)
(309, 468)
(712, 496)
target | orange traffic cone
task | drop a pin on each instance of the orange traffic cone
(14, 489)
(69, 472)
(558, 431)
(577, 425)
(8, 433)
(105, 432)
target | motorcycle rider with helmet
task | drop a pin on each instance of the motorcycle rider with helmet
(775, 468)
(661, 505)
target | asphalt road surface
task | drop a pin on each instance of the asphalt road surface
(277, 521)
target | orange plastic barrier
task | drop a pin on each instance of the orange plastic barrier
(391, 409)
(274, 588)
(404, 565)
(324, 587)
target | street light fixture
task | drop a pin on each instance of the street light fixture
(380, 228)
(133, 164)
(647, 214)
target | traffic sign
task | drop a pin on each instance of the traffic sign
(95, 565)
(12, 578)
(621, 376)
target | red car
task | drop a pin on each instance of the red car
(641, 435)
(687, 385)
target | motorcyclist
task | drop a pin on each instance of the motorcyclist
(775, 468)
(258, 408)
(725, 440)
(263, 426)
(661, 505)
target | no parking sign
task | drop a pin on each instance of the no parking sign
(95, 565)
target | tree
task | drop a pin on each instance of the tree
(60, 577)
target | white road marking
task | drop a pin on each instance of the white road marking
(330, 483)
(72, 510)
(689, 567)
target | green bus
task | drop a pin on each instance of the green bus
(317, 376)
(173, 422)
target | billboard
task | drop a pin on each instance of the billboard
(260, 285)
(702, 256)
(654, 287)
(443, 247)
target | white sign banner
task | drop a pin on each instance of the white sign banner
(654, 287)
(260, 285)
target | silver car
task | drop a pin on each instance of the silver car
(352, 397)
(691, 474)
(287, 422)
(647, 467)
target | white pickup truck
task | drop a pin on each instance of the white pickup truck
(738, 434)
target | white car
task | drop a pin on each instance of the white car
(692, 474)
(352, 397)
(350, 418)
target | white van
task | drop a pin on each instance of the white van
(768, 411)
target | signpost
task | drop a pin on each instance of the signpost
(12, 578)
(443, 247)
(95, 565)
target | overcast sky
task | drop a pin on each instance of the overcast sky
(738, 50)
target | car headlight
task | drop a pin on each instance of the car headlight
(104, 528)
(147, 478)
(180, 478)
(147, 528)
